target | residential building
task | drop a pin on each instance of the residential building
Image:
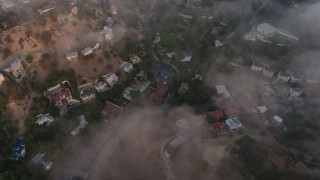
(251, 36)
(283, 76)
(87, 51)
(157, 38)
(111, 79)
(74, 10)
(219, 128)
(109, 22)
(127, 94)
(14, 70)
(107, 32)
(186, 59)
(234, 123)
(44, 119)
(135, 59)
(295, 94)
(19, 151)
(216, 115)
(39, 159)
(127, 67)
(262, 109)
(96, 46)
(101, 86)
(268, 72)
(45, 9)
(87, 93)
(218, 43)
(222, 91)
(184, 87)
(256, 67)
(174, 144)
(183, 124)
(112, 109)
(276, 120)
(72, 56)
(160, 93)
(62, 18)
(114, 10)
(266, 29)
(60, 97)
(82, 124)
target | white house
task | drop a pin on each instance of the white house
(266, 29)
(44, 119)
(234, 123)
(256, 67)
(101, 86)
(135, 59)
(111, 79)
(222, 91)
(157, 38)
(262, 109)
(127, 93)
(186, 59)
(276, 120)
(284, 76)
(72, 56)
(127, 67)
(82, 124)
(107, 32)
(87, 51)
(96, 46)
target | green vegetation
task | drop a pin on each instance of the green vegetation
(7, 138)
(46, 37)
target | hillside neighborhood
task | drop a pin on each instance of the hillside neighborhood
(175, 89)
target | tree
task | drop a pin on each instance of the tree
(3, 101)
(6, 51)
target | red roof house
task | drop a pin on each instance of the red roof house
(216, 115)
(220, 128)
(231, 112)
(60, 99)
(160, 93)
(112, 109)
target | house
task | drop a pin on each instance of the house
(62, 18)
(82, 124)
(219, 128)
(107, 32)
(160, 93)
(217, 43)
(294, 77)
(251, 36)
(216, 115)
(96, 46)
(87, 51)
(101, 86)
(256, 67)
(262, 109)
(114, 10)
(112, 109)
(19, 151)
(127, 67)
(170, 55)
(135, 59)
(109, 22)
(45, 9)
(87, 92)
(234, 123)
(268, 72)
(74, 10)
(295, 94)
(231, 112)
(183, 124)
(111, 79)
(127, 94)
(14, 70)
(222, 91)
(72, 56)
(157, 38)
(60, 97)
(184, 87)
(266, 29)
(174, 144)
(276, 120)
(186, 59)
(39, 159)
(44, 119)
(283, 76)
